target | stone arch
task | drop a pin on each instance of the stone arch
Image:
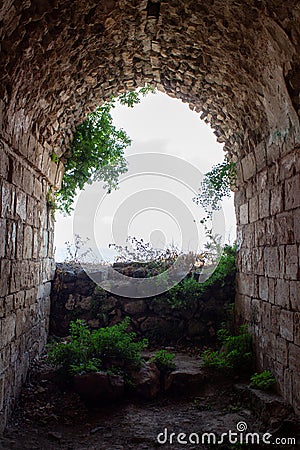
(236, 62)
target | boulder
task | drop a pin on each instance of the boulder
(188, 377)
(97, 387)
(147, 381)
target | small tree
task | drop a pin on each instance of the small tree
(97, 151)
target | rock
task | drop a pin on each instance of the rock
(96, 429)
(188, 377)
(271, 408)
(69, 276)
(97, 387)
(135, 307)
(147, 381)
(54, 435)
(139, 273)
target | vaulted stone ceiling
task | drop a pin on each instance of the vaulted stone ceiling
(236, 61)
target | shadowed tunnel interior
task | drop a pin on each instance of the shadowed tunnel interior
(235, 62)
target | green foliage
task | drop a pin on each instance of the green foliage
(188, 290)
(235, 355)
(183, 293)
(216, 185)
(51, 203)
(54, 157)
(97, 151)
(107, 348)
(264, 381)
(164, 360)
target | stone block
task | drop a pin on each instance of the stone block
(271, 262)
(276, 316)
(297, 328)
(8, 329)
(264, 204)
(253, 209)
(263, 288)
(271, 290)
(17, 173)
(258, 261)
(256, 311)
(9, 305)
(282, 294)
(287, 166)
(20, 240)
(296, 393)
(281, 351)
(294, 357)
(4, 165)
(27, 249)
(11, 237)
(19, 300)
(246, 284)
(244, 215)
(287, 325)
(284, 228)
(295, 295)
(288, 386)
(273, 152)
(292, 192)
(262, 181)
(21, 205)
(7, 200)
(5, 277)
(2, 393)
(260, 233)
(296, 217)
(2, 237)
(260, 156)
(248, 166)
(276, 204)
(291, 262)
(243, 307)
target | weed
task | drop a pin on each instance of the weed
(235, 354)
(264, 381)
(164, 360)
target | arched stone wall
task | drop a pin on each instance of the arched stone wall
(237, 62)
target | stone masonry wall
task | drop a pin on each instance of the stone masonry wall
(26, 241)
(236, 62)
(75, 296)
(268, 284)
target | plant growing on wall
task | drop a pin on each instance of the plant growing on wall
(216, 184)
(97, 150)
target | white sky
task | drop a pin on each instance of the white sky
(162, 125)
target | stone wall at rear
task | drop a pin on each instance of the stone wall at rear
(75, 296)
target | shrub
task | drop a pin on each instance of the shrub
(107, 348)
(235, 355)
(189, 290)
(264, 381)
(164, 360)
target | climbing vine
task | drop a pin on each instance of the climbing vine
(97, 150)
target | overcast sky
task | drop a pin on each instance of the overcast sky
(159, 124)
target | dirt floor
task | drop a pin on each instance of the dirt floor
(48, 417)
